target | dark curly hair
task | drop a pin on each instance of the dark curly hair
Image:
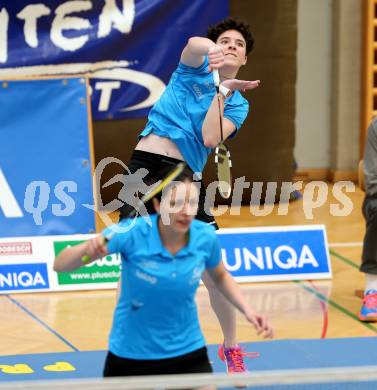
(232, 24)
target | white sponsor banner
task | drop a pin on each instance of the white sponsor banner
(250, 255)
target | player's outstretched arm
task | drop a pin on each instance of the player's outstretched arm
(71, 258)
(197, 48)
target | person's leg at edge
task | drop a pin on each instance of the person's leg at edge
(368, 310)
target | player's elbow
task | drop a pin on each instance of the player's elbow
(210, 142)
(193, 42)
(56, 267)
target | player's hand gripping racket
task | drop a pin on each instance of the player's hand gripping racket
(155, 189)
(222, 154)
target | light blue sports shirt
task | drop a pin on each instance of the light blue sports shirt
(156, 315)
(181, 109)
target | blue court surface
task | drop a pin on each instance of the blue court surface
(274, 355)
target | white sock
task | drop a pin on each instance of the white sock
(370, 282)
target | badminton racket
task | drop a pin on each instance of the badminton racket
(222, 154)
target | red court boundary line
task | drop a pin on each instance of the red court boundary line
(325, 312)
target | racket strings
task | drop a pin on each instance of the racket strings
(222, 154)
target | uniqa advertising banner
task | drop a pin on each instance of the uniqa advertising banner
(249, 254)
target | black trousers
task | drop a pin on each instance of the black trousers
(369, 255)
(157, 166)
(190, 363)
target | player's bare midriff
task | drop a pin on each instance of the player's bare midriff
(153, 143)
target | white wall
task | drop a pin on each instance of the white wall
(313, 86)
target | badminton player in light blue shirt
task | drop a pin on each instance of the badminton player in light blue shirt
(179, 114)
(155, 327)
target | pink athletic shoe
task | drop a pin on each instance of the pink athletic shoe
(233, 358)
(368, 312)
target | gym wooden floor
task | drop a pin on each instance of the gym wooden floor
(69, 321)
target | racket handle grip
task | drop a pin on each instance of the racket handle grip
(86, 258)
(216, 78)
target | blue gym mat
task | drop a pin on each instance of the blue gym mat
(274, 355)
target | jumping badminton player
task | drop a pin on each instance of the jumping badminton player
(155, 327)
(184, 126)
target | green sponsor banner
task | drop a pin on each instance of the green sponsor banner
(104, 270)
